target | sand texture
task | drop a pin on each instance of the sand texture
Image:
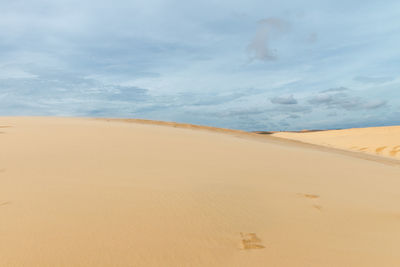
(382, 141)
(89, 192)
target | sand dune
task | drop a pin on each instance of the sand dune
(382, 141)
(88, 192)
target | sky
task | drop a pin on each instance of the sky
(250, 65)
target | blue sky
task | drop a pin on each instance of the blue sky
(252, 65)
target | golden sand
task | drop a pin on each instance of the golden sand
(86, 192)
(381, 141)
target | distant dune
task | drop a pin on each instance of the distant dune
(382, 141)
(98, 192)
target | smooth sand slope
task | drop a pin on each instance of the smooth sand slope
(85, 192)
(382, 141)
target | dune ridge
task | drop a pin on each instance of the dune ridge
(380, 141)
(91, 192)
(277, 137)
(178, 125)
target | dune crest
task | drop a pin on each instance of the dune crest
(381, 141)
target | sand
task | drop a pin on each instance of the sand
(86, 192)
(381, 141)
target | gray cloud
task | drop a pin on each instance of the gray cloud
(284, 109)
(339, 98)
(336, 89)
(284, 100)
(374, 104)
(312, 38)
(267, 28)
(373, 79)
(293, 116)
(278, 110)
(332, 114)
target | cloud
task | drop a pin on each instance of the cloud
(267, 28)
(373, 79)
(312, 37)
(339, 98)
(202, 99)
(159, 60)
(284, 109)
(375, 104)
(336, 89)
(284, 100)
(332, 114)
(293, 116)
(70, 95)
(7, 72)
(128, 93)
(325, 99)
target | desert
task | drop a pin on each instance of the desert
(97, 192)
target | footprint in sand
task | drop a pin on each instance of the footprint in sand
(4, 203)
(394, 151)
(362, 149)
(310, 196)
(4, 127)
(251, 241)
(380, 149)
(318, 207)
(313, 197)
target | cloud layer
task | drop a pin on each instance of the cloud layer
(248, 65)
